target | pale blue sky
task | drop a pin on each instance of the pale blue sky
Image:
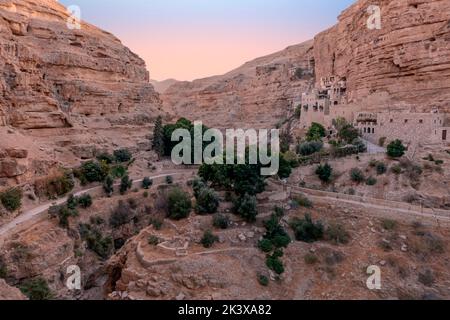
(188, 39)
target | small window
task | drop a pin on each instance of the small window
(420, 121)
(392, 120)
(373, 130)
(365, 130)
(406, 120)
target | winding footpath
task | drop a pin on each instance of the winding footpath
(35, 212)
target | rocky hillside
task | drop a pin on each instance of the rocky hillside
(66, 92)
(405, 64)
(257, 95)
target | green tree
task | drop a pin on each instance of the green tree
(108, 185)
(179, 204)
(125, 184)
(207, 202)
(396, 149)
(348, 133)
(158, 138)
(246, 207)
(316, 132)
(324, 172)
(11, 199)
(306, 230)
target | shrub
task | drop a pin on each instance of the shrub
(263, 280)
(36, 289)
(209, 239)
(118, 171)
(275, 233)
(179, 204)
(357, 175)
(85, 201)
(122, 215)
(156, 223)
(91, 172)
(274, 263)
(221, 221)
(306, 230)
(11, 199)
(72, 202)
(310, 147)
(348, 133)
(324, 172)
(265, 245)
(108, 185)
(285, 169)
(396, 169)
(122, 155)
(198, 185)
(96, 242)
(316, 132)
(3, 269)
(106, 157)
(169, 180)
(371, 181)
(359, 145)
(381, 168)
(125, 184)
(337, 234)
(207, 201)
(147, 183)
(153, 240)
(303, 201)
(396, 149)
(63, 213)
(311, 258)
(246, 207)
(389, 224)
(54, 186)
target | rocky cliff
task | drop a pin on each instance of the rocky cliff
(66, 92)
(257, 95)
(405, 64)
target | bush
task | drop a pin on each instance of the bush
(125, 184)
(54, 186)
(263, 280)
(106, 157)
(169, 180)
(91, 172)
(306, 230)
(337, 234)
(85, 201)
(316, 132)
(3, 269)
(153, 240)
(371, 181)
(246, 207)
(324, 172)
(389, 224)
(209, 239)
(359, 145)
(303, 201)
(310, 147)
(311, 258)
(122, 155)
(122, 215)
(275, 237)
(396, 169)
(11, 199)
(381, 168)
(265, 245)
(357, 175)
(198, 185)
(36, 289)
(207, 201)
(285, 168)
(147, 183)
(396, 149)
(108, 185)
(221, 221)
(96, 242)
(179, 204)
(274, 263)
(348, 133)
(156, 223)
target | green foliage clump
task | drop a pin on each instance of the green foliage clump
(221, 221)
(265, 245)
(11, 199)
(246, 207)
(122, 155)
(169, 180)
(122, 215)
(147, 183)
(63, 213)
(106, 157)
(316, 132)
(381, 168)
(209, 239)
(285, 167)
(371, 181)
(348, 133)
(153, 240)
(396, 149)
(263, 280)
(92, 171)
(324, 172)
(337, 234)
(274, 262)
(108, 185)
(309, 147)
(311, 258)
(3, 269)
(55, 186)
(302, 201)
(96, 242)
(36, 289)
(179, 204)
(158, 138)
(207, 201)
(357, 175)
(85, 201)
(125, 184)
(306, 230)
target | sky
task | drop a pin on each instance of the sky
(191, 39)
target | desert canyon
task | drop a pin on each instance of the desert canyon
(71, 96)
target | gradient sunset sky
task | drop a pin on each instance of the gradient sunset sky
(191, 39)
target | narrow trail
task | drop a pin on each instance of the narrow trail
(32, 213)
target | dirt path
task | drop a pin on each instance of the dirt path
(32, 213)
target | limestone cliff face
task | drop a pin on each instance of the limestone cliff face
(405, 64)
(50, 72)
(256, 95)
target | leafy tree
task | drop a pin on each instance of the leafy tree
(306, 230)
(11, 199)
(396, 149)
(316, 132)
(85, 201)
(108, 185)
(147, 183)
(357, 175)
(209, 239)
(179, 204)
(381, 168)
(246, 207)
(158, 138)
(348, 133)
(309, 147)
(207, 202)
(91, 172)
(324, 172)
(106, 157)
(274, 263)
(221, 221)
(122, 215)
(122, 155)
(285, 169)
(125, 184)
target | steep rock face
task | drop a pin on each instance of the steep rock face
(51, 72)
(256, 95)
(405, 64)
